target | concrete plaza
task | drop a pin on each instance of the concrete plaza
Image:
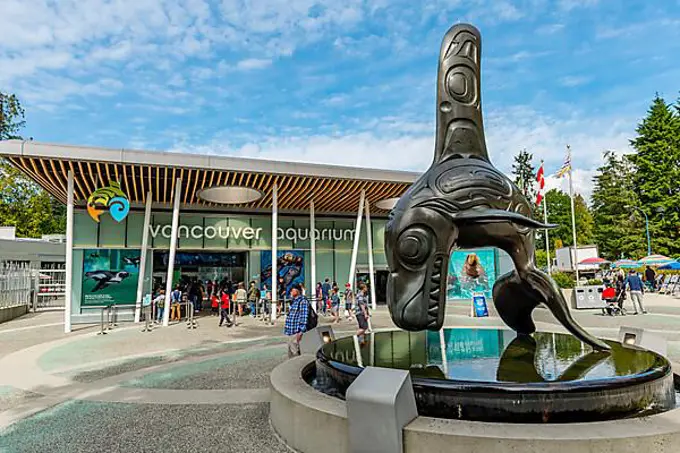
(176, 389)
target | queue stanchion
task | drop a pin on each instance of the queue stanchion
(148, 312)
(109, 325)
(102, 331)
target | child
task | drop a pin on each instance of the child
(224, 312)
(335, 305)
(214, 304)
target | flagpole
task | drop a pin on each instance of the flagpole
(573, 214)
(545, 220)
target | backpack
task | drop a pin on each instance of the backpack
(312, 317)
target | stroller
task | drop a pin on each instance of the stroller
(614, 302)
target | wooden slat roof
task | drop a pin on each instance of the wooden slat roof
(334, 189)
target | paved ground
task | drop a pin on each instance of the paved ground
(176, 389)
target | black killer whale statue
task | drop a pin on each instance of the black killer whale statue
(463, 201)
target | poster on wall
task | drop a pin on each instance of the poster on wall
(470, 272)
(290, 266)
(110, 276)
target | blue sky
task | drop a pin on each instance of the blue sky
(349, 82)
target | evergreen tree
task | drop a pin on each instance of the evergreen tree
(657, 174)
(525, 174)
(559, 213)
(615, 235)
(11, 116)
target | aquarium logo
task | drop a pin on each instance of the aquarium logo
(111, 199)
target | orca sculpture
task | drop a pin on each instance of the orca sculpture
(463, 201)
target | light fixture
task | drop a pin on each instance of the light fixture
(229, 194)
(386, 204)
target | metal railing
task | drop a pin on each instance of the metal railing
(51, 289)
(16, 284)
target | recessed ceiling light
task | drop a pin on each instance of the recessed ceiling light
(387, 204)
(229, 195)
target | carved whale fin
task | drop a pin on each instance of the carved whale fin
(498, 215)
(459, 109)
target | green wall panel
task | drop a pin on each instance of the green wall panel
(342, 261)
(77, 288)
(285, 242)
(85, 230)
(264, 241)
(237, 227)
(324, 265)
(186, 239)
(159, 221)
(135, 225)
(323, 242)
(111, 233)
(215, 239)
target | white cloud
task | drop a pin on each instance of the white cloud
(253, 63)
(573, 81)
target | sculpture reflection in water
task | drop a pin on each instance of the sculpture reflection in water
(463, 201)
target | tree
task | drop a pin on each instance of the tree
(525, 174)
(559, 213)
(23, 203)
(656, 177)
(11, 116)
(613, 194)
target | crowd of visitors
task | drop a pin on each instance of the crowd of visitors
(229, 301)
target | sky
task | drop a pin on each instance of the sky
(345, 82)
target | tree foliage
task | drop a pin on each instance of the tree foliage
(11, 116)
(24, 204)
(617, 234)
(559, 213)
(525, 174)
(656, 174)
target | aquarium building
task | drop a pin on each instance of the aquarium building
(138, 220)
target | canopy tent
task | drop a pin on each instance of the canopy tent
(674, 266)
(626, 264)
(594, 260)
(655, 260)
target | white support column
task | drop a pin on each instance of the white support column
(312, 243)
(142, 257)
(275, 243)
(69, 254)
(369, 242)
(355, 247)
(173, 250)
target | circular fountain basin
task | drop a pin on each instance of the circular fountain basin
(494, 375)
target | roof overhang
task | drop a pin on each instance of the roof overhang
(334, 189)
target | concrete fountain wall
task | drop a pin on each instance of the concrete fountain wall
(309, 421)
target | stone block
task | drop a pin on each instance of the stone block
(380, 402)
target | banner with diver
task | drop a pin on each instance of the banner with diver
(470, 272)
(290, 266)
(110, 276)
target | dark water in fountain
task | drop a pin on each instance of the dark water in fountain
(460, 362)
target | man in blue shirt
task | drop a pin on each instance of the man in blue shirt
(296, 321)
(637, 289)
(325, 294)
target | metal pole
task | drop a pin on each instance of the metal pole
(173, 250)
(312, 243)
(573, 216)
(355, 247)
(547, 239)
(649, 242)
(275, 243)
(142, 256)
(369, 243)
(69, 254)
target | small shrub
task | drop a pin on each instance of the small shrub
(564, 281)
(595, 281)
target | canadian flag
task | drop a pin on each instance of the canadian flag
(540, 179)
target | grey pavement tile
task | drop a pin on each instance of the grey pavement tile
(117, 427)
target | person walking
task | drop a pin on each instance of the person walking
(224, 309)
(318, 295)
(650, 278)
(264, 302)
(175, 300)
(637, 289)
(214, 305)
(335, 306)
(241, 298)
(325, 294)
(620, 291)
(349, 300)
(296, 321)
(361, 310)
(253, 295)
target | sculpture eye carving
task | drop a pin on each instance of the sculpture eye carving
(414, 245)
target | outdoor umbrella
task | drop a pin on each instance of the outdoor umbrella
(674, 266)
(626, 264)
(594, 260)
(655, 260)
